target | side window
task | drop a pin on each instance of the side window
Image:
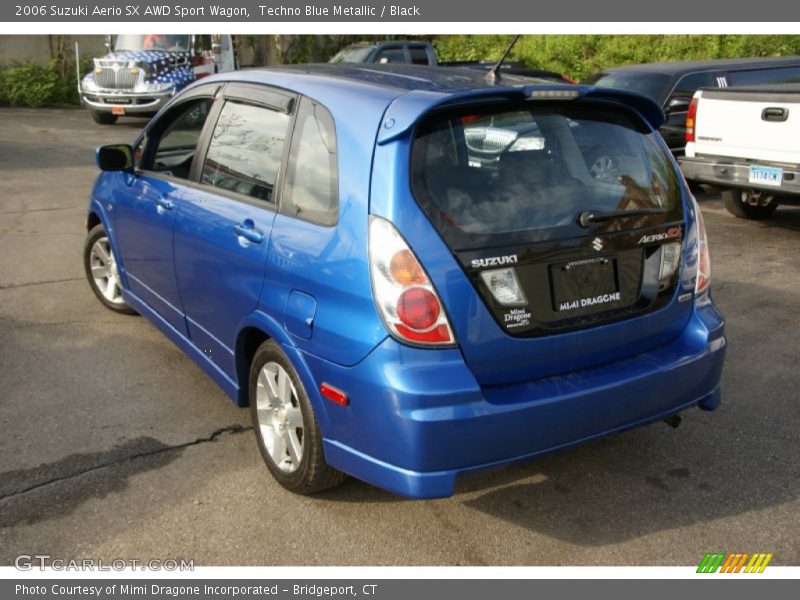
(246, 148)
(138, 153)
(391, 55)
(765, 76)
(202, 43)
(174, 147)
(419, 55)
(689, 84)
(312, 181)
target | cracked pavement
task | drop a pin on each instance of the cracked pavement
(115, 445)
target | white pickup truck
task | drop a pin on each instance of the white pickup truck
(746, 141)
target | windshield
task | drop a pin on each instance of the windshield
(168, 43)
(650, 84)
(352, 54)
(482, 176)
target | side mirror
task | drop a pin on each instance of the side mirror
(116, 157)
(678, 104)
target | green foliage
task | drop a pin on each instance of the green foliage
(581, 55)
(34, 85)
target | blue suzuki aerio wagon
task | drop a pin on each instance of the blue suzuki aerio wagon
(409, 273)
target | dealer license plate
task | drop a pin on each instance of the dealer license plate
(766, 176)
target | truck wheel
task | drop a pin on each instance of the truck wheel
(286, 430)
(103, 118)
(750, 204)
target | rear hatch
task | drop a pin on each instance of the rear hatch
(767, 123)
(567, 218)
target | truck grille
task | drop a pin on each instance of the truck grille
(124, 78)
(489, 140)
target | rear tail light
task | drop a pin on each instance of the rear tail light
(405, 296)
(691, 120)
(703, 257)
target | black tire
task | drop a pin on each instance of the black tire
(738, 203)
(695, 187)
(103, 118)
(110, 297)
(309, 474)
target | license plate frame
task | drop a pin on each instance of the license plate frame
(761, 175)
(575, 280)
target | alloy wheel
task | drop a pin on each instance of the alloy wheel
(280, 421)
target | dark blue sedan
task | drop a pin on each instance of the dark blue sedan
(409, 273)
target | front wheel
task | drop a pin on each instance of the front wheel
(103, 118)
(750, 204)
(101, 271)
(286, 429)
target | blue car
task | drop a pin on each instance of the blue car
(408, 273)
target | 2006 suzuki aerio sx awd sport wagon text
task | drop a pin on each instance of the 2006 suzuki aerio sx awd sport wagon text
(409, 273)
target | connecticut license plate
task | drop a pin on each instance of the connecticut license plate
(766, 176)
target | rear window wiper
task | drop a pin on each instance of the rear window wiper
(588, 217)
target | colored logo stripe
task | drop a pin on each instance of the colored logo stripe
(758, 563)
(711, 562)
(734, 563)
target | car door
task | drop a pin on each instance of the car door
(144, 212)
(223, 227)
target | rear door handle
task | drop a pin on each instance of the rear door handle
(248, 231)
(774, 113)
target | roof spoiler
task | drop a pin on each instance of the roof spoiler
(405, 111)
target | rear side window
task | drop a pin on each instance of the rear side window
(689, 84)
(765, 76)
(494, 176)
(655, 85)
(419, 55)
(391, 55)
(311, 191)
(246, 148)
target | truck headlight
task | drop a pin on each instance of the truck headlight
(88, 84)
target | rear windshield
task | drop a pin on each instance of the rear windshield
(651, 84)
(500, 175)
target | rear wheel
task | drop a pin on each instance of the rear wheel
(286, 429)
(750, 204)
(103, 118)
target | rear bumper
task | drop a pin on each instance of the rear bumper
(735, 173)
(418, 419)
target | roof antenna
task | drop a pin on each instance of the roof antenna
(493, 76)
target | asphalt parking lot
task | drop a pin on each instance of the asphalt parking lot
(115, 445)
